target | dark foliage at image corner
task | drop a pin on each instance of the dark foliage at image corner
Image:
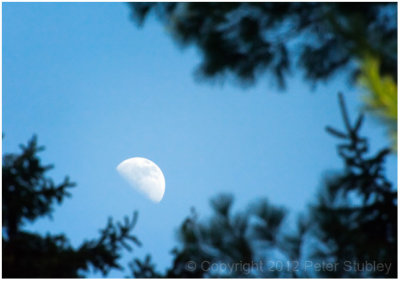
(248, 40)
(357, 209)
(28, 195)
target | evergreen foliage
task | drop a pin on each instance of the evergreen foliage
(29, 194)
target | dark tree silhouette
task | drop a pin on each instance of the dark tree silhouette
(226, 238)
(245, 40)
(27, 195)
(242, 239)
(356, 212)
(353, 221)
(143, 269)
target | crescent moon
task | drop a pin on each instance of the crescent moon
(144, 176)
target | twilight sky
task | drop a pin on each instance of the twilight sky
(97, 90)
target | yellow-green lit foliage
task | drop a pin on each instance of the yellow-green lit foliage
(381, 96)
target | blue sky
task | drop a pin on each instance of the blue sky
(97, 90)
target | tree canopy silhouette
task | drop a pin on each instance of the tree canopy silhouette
(356, 212)
(245, 40)
(28, 195)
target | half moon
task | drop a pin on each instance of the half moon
(144, 176)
